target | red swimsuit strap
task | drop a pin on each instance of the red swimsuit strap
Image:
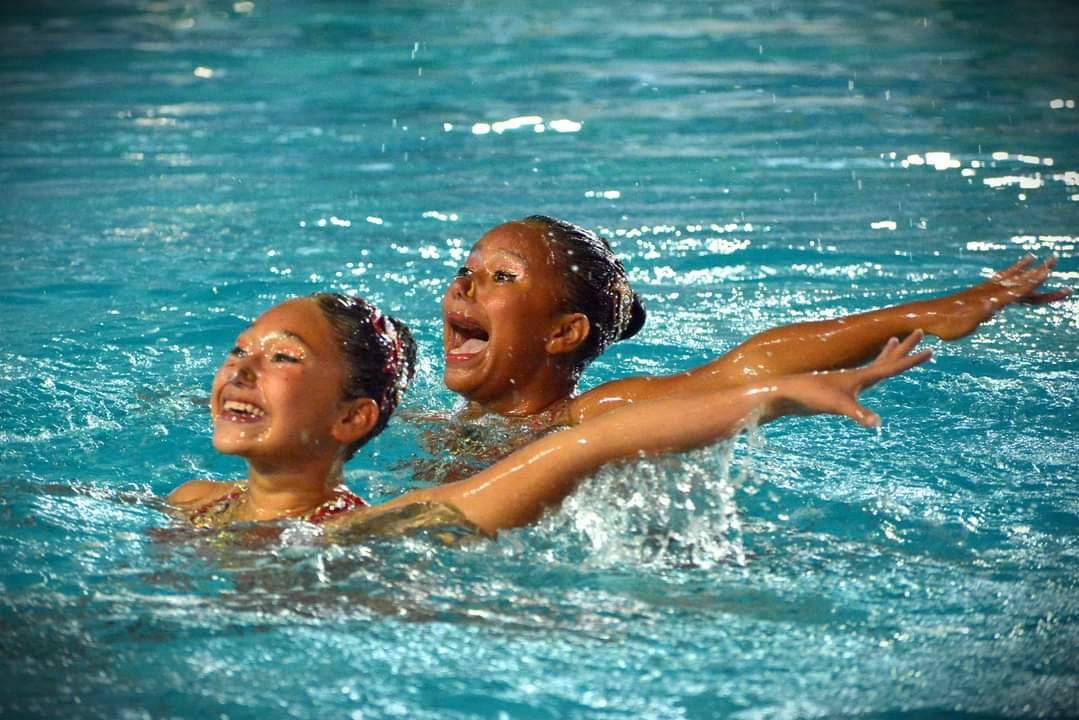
(343, 501)
(224, 500)
(346, 500)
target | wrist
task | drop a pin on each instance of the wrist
(767, 401)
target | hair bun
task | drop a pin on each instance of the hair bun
(596, 284)
(637, 316)
(378, 350)
(405, 365)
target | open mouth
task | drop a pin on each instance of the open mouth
(241, 412)
(466, 336)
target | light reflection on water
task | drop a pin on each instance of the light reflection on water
(172, 168)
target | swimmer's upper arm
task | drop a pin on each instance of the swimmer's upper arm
(198, 492)
(626, 391)
(781, 351)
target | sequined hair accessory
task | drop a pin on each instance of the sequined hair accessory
(395, 360)
(623, 309)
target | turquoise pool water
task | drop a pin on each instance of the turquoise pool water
(170, 169)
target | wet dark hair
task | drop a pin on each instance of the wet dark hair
(596, 285)
(379, 352)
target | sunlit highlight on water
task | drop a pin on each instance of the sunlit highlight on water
(536, 122)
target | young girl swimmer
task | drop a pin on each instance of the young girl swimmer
(313, 379)
(539, 299)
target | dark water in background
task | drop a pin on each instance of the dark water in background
(170, 169)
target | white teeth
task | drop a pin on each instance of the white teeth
(243, 408)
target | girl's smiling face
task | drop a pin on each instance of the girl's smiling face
(499, 315)
(276, 395)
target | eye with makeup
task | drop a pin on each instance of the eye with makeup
(284, 357)
(282, 352)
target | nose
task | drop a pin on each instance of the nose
(464, 286)
(244, 372)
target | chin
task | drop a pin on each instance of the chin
(464, 385)
(456, 384)
(232, 445)
(227, 448)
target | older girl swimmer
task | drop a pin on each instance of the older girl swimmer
(538, 299)
(313, 379)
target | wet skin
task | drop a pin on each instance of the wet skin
(275, 392)
(525, 376)
(504, 324)
(277, 402)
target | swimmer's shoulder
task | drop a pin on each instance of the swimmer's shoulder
(588, 405)
(621, 392)
(196, 493)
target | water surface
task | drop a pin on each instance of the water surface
(171, 169)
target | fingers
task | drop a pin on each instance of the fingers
(891, 367)
(906, 363)
(895, 367)
(1021, 272)
(894, 349)
(888, 352)
(1041, 272)
(862, 415)
(1023, 286)
(847, 405)
(910, 341)
(1045, 298)
(1022, 264)
(1018, 285)
(868, 419)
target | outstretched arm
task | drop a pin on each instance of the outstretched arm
(517, 489)
(831, 344)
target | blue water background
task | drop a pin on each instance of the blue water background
(169, 169)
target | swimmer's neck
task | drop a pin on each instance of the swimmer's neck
(535, 388)
(278, 492)
(553, 404)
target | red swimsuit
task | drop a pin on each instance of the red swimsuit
(215, 513)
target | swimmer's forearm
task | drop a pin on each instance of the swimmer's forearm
(789, 350)
(518, 489)
(852, 340)
(814, 346)
(817, 345)
(834, 344)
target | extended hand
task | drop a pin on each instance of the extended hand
(960, 314)
(837, 392)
